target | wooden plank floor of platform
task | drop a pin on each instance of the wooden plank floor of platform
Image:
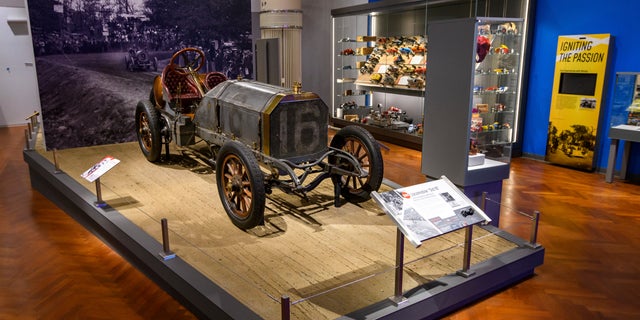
(330, 261)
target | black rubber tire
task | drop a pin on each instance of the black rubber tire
(152, 97)
(360, 143)
(240, 185)
(148, 130)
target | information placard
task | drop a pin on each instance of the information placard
(429, 209)
(100, 168)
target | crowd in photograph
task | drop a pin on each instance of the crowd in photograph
(233, 57)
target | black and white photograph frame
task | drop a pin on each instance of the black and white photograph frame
(95, 59)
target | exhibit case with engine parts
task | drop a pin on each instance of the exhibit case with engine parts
(379, 65)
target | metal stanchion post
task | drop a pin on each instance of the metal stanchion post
(534, 231)
(483, 203)
(285, 307)
(55, 162)
(26, 139)
(398, 298)
(166, 253)
(99, 203)
(466, 259)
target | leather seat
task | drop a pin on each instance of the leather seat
(178, 86)
(213, 79)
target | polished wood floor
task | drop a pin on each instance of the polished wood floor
(52, 268)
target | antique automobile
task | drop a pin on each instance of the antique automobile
(139, 59)
(257, 136)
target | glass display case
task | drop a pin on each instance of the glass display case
(625, 107)
(495, 90)
(624, 123)
(472, 100)
(379, 71)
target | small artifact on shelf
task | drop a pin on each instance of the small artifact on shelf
(502, 49)
(364, 50)
(476, 123)
(375, 78)
(475, 157)
(415, 82)
(484, 29)
(349, 105)
(482, 48)
(502, 90)
(507, 28)
(351, 117)
(473, 146)
(406, 50)
(366, 38)
(388, 80)
(393, 118)
(367, 68)
(408, 68)
(345, 80)
(415, 128)
(348, 52)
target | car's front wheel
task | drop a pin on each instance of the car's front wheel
(240, 185)
(358, 142)
(148, 130)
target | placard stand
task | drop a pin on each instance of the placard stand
(95, 172)
(466, 257)
(426, 211)
(398, 298)
(99, 203)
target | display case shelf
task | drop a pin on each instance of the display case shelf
(392, 89)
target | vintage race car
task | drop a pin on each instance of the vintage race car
(258, 137)
(137, 59)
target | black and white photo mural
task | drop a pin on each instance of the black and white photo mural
(96, 58)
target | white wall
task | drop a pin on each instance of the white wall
(18, 82)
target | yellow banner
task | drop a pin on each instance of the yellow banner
(578, 82)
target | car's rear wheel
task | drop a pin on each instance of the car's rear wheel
(360, 143)
(148, 130)
(240, 185)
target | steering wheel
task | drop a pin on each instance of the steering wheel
(187, 60)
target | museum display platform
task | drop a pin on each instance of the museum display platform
(313, 259)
